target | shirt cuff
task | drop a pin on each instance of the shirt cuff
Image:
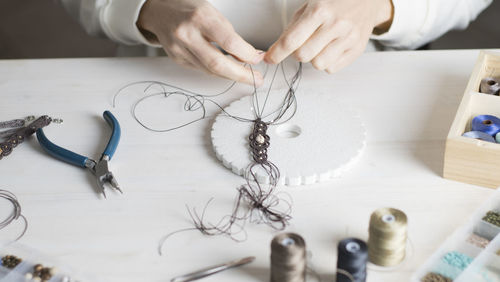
(404, 33)
(119, 19)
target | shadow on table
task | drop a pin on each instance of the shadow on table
(263, 274)
(431, 147)
(259, 273)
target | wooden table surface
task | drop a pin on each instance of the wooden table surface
(406, 99)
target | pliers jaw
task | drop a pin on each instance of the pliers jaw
(103, 175)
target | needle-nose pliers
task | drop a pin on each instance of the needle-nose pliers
(98, 169)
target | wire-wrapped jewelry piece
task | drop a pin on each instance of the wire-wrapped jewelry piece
(18, 136)
(259, 141)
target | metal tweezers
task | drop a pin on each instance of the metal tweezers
(212, 270)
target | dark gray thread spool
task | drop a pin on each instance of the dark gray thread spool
(490, 85)
(352, 258)
(288, 258)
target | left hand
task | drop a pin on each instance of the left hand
(330, 33)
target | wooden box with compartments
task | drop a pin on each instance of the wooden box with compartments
(467, 159)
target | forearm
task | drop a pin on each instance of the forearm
(417, 23)
(115, 19)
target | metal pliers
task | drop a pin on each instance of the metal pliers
(98, 169)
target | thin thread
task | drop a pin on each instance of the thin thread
(387, 237)
(15, 214)
(254, 203)
(344, 273)
(194, 101)
(164, 238)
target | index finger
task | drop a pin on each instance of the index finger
(218, 64)
(294, 36)
(226, 37)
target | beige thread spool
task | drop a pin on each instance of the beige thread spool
(288, 258)
(387, 237)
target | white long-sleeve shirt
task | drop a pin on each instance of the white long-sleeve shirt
(260, 22)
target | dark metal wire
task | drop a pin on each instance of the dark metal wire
(16, 212)
(255, 202)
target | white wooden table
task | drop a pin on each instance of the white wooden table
(407, 100)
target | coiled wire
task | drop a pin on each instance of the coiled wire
(16, 212)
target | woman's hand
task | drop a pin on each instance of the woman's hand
(331, 33)
(186, 30)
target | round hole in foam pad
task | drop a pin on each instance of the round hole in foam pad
(288, 130)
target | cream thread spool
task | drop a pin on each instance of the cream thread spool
(387, 237)
(288, 258)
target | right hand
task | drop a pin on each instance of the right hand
(186, 28)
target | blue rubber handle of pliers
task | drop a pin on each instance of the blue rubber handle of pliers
(59, 152)
(115, 135)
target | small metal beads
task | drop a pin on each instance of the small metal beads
(493, 218)
(435, 277)
(10, 261)
(40, 273)
(478, 241)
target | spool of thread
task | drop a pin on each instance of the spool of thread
(490, 85)
(352, 258)
(486, 123)
(387, 237)
(480, 135)
(288, 258)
